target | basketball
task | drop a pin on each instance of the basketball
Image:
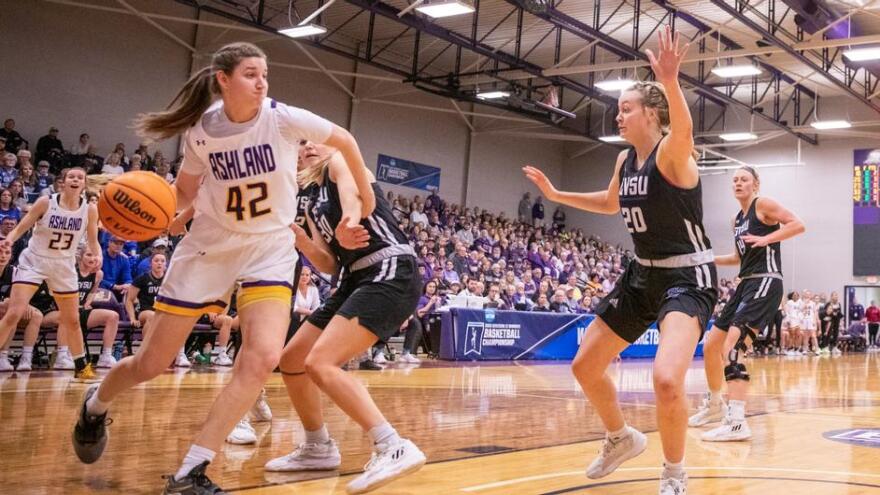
(137, 206)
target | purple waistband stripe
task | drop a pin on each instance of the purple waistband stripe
(266, 283)
(186, 304)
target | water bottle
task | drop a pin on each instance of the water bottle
(117, 351)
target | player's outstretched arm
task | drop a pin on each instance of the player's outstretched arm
(675, 155)
(605, 202)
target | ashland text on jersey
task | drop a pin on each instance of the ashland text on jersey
(239, 164)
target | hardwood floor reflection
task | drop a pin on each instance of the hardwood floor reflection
(491, 429)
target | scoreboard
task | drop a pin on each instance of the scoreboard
(866, 212)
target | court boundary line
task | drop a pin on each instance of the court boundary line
(516, 481)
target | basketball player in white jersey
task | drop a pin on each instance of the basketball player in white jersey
(240, 169)
(59, 222)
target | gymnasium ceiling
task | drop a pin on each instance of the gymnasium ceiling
(532, 47)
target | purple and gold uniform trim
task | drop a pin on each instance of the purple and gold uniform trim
(185, 308)
(264, 290)
(67, 294)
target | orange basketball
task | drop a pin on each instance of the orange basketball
(137, 206)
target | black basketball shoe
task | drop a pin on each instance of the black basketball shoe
(194, 483)
(90, 433)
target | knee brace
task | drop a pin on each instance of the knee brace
(735, 370)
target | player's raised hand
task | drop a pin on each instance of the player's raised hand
(667, 62)
(540, 180)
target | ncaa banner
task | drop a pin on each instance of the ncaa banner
(406, 173)
(484, 335)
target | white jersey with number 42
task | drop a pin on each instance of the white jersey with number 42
(249, 169)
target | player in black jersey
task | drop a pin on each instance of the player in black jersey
(378, 290)
(656, 188)
(142, 293)
(89, 275)
(759, 227)
(31, 321)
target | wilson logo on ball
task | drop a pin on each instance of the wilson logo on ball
(132, 205)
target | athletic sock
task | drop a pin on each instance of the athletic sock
(620, 434)
(194, 457)
(384, 433)
(27, 349)
(79, 362)
(673, 469)
(737, 410)
(96, 406)
(715, 397)
(321, 435)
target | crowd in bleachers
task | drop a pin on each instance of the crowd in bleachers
(525, 263)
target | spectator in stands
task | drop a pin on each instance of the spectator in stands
(586, 304)
(82, 146)
(560, 302)
(872, 315)
(538, 212)
(117, 269)
(7, 224)
(49, 146)
(7, 207)
(56, 186)
(433, 203)
(24, 158)
(19, 199)
(449, 274)
(494, 300)
(524, 210)
(135, 163)
(521, 300)
(163, 169)
(119, 149)
(8, 172)
(418, 215)
(44, 179)
(14, 141)
(542, 304)
(113, 165)
(91, 161)
(29, 181)
(559, 219)
(306, 299)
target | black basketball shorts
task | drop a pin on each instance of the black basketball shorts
(644, 295)
(381, 296)
(753, 305)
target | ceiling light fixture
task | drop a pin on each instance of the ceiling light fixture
(862, 54)
(736, 71)
(738, 136)
(831, 124)
(615, 84)
(492, 95)
(445, 8)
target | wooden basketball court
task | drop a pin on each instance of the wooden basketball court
(487, 430)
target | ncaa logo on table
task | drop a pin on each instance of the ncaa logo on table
(865, 437)
(473, 338)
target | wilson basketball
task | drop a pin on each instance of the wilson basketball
(137, 206)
